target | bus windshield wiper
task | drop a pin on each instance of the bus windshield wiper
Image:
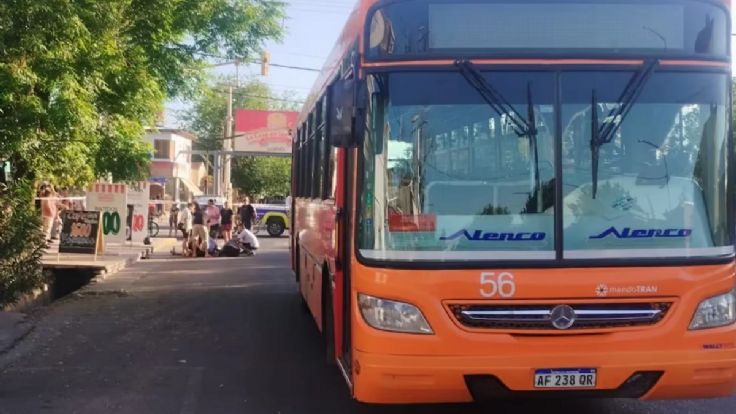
(523, 127)
(604, 134)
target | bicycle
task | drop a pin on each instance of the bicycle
(153, 228)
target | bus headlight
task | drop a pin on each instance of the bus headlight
(716, 311)
(389, 315)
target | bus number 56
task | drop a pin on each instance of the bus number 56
(494, 284)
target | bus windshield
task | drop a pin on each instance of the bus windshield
(447, 177)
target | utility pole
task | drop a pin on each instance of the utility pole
(217, 175)
(227, 146)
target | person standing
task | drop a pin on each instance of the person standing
(173, 218)
(185, 219)
(48, 212)
(227, 222)
(248, 214)
(213, 218)
(60, 206)
(199, 235)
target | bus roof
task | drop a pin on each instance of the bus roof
(353, 32)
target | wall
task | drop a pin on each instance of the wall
(199, 172)
(179, 157)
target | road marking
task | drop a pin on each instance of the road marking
(192, 392)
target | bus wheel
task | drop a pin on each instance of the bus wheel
(297, 263)
(328, 320)
(275, 227)
(297, 275)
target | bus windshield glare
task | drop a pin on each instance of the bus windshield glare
(448, 177)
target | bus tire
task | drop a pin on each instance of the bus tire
(275, 226)
(328, 320)
(297, 264)
(297, 275)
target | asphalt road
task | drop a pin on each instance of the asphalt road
(211, 336)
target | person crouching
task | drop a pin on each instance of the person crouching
(248, 242)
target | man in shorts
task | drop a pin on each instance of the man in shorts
(185, 226)
(226, 226)
(213, 218)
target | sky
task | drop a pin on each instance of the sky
(311, 29)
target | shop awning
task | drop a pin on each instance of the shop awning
(193, 188)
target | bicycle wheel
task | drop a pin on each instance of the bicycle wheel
(153, 229)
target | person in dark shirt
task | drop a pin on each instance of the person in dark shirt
(247, 214)
(226, 217)
(173, 218)
(199, 235)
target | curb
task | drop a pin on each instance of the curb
(13, 328)
(29, 301)
(42, 296)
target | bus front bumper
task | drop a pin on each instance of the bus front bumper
(398, 379)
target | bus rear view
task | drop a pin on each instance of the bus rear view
(543, 202)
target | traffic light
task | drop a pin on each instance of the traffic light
(265, 61)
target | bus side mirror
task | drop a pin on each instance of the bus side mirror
(342, 113)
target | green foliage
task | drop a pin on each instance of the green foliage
(266, 177)
(262, 176)
(21, 242)
(206, 118)
(80, 80)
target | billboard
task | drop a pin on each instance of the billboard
(137, 220)
(111, 201)
(264, 132)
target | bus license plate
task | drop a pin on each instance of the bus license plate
(565, 378)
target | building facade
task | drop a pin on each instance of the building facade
(171, 166)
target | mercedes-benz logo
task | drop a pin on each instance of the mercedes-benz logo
(563, 317)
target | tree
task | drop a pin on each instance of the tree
(262, 176)
(21, 244)
(206, 117)
(81, 79)
(257, 176)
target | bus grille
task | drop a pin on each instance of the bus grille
(546, 317)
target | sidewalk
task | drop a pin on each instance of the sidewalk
(113, 260)
(14, 326)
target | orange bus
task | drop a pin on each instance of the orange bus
(499, 198)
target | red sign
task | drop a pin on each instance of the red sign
(400, 223)
(266, 132)
(138, 222)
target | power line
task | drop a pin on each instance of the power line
(299, 54)
(276, 65)
(256, 62)
(247, 95)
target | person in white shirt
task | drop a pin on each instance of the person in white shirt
(185, 225)
(249, 242)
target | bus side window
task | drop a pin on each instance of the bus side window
(295, 164)
(304, 166)
(319, 157)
